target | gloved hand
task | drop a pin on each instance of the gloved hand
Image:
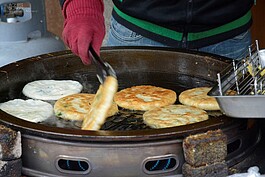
(83, 26)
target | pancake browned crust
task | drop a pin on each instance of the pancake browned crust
(101, 104)
(77, 106)
(198, 97)
(174, 115)
(144, 97)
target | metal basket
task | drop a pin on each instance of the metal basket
(240, 90)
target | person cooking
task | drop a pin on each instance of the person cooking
(218, 26)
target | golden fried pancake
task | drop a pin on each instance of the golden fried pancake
(101, 105)
(77, 106)
(144, 97)
(173, 115)
(198, 97)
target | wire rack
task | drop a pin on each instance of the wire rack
(244, 76)
(240, 88)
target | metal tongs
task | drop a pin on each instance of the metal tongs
(104, 69)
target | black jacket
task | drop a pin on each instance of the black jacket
(61, 2)
(185, 23)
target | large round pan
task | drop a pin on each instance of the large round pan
(169, 68)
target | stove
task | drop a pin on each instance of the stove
(124, 146)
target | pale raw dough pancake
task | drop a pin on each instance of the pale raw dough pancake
(77, 106)
(144, 97)
(51, 89)
(101, 104)
(198, 97)
(29, 110)
(174, 115)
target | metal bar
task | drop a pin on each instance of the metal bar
(243, 76)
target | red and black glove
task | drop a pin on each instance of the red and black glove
(84, 25)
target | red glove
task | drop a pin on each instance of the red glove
(84, 25)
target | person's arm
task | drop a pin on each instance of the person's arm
(84, 25)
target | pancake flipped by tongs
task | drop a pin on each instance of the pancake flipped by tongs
(104, 96)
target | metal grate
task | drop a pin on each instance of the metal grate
(244, 76)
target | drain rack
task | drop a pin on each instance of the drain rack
(240, 87)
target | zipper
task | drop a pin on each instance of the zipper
(188, 20)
